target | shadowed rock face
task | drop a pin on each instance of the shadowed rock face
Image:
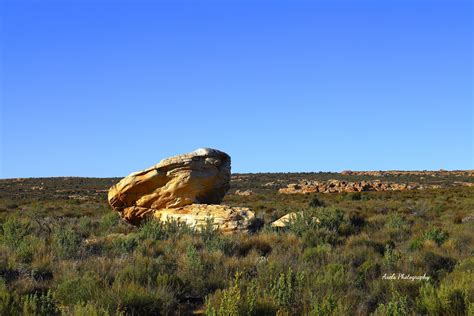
(200, 177)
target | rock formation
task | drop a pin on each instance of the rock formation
(337, 186)
(398, 173)
(225, 218)
(285, 220)
(243, 192)
(190, 180)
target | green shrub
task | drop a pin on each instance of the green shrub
(319, 236)
(230, 300)
(454, 295)
(14, 230)
(170, 281)
(416, 244)
(226, 244)
(398, 306)
(37, 304)
(329, 218)
(109, 221)
(356, 196)
(316, 202)
(325, 307)
(85, 226)
(208, 232)
(391, 257)
(12, 303)
(331, 278)
(357, 221)
(136, 299)
(398, 222)
(125, 244)
(168, 268)
(448, 300)
(437, 235)
(398, 227)
(66, 243)
(317, 254)
(156, 230)
(9, 300)
(194, 260)
(75, 290)
(366, 272)
(285, 289)
(89, 309)
(141, 269)
(437, 266)
(41, 270)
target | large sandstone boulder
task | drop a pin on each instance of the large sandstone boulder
(202, 177)
(183, 188)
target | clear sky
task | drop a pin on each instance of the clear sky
(103, 88)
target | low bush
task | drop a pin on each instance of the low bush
(14, 230)
(66, 243)
(72, 290)
(437, 235)
(316, 202)
(12, 303)
(78, 258)
(155, 230)
(398, 306)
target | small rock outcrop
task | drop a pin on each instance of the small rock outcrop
(243, 192)
(285, 220)
(191, 180)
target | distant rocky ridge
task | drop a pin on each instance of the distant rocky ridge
(186, 187)
(380, 173)
(337, 186)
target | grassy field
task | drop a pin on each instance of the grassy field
(63, 251)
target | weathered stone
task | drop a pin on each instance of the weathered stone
(201, 176)
(288, 218)
(224, 218)
(397, 173)
(285, 220)
(468, 218)
(338, 186)
(243, 192)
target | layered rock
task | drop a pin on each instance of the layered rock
(337, 186)
(225, 218)
(398, 173)
(185, 187)
(285, 220)
(201, 176)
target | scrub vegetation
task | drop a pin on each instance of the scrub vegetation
(64, 252)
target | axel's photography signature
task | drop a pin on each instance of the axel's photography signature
(403, 276)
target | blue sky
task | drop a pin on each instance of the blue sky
(104, 88)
